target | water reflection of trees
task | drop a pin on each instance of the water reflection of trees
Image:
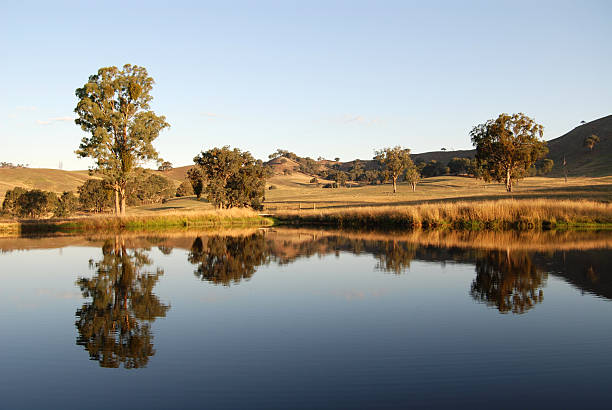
(115, 325)
(228, 259)
(395, 257)
(511, 282)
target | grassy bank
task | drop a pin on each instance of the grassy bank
(500, 214)
(463, 215)
(147, 222)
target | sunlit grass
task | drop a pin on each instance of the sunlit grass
(473, 215)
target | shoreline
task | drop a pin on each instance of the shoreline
(500, 215)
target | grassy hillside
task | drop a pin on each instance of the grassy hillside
(580, 160)
(54, 180)
(295, 191)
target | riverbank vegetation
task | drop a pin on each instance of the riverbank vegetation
(501, 214)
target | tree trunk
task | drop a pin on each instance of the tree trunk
(508, 181)
(394, 185)
(117, 203)
(413, 186)
(122, 200)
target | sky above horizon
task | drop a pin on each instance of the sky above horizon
(319, 78)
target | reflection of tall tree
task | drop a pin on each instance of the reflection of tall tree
(508, 281)
(224, 259)
(394, 256)
(115, 326)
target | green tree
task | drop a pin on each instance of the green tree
(235, 178)
(196, 179)
(9, 205)
(590, 141)
(114, 109)
(165, 166)
(433, 168)
(36, 203)
(394, 161)
(67, 204)
(507, 147)
(458, 166)
(412, 176)
(95, 195)
(341, 178)
(184, 189)
(147, 188)
(545, 166)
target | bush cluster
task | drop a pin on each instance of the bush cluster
(35, 203)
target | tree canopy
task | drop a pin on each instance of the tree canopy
(590, 141)
(394, 161)
(234, 178)
(113, 108)
(507, 147)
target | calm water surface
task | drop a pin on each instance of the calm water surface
(306, 319)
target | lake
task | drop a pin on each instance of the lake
(306, 318)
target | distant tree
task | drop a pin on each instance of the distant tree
(235, 178)
(394, 161)
(590, 141)
(458, 166)
(412, 176)
(544, 166)
(196, 178)
(67, 204)
(113, 108)
(337, 159)
(36, 203)
(147, 188)
(165, 166)
(9, 205)
(442, 149)
(507, 147)
(474, 169)
(184, 189)
(434, 168)
(95, 195)
(372, 176)
(341, 178)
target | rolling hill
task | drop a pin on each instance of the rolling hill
(581, 162)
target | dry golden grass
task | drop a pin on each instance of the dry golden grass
(294, 191)
(497, 213)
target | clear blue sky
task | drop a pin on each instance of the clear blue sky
(318, 78)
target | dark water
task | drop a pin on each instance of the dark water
(307, 319)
